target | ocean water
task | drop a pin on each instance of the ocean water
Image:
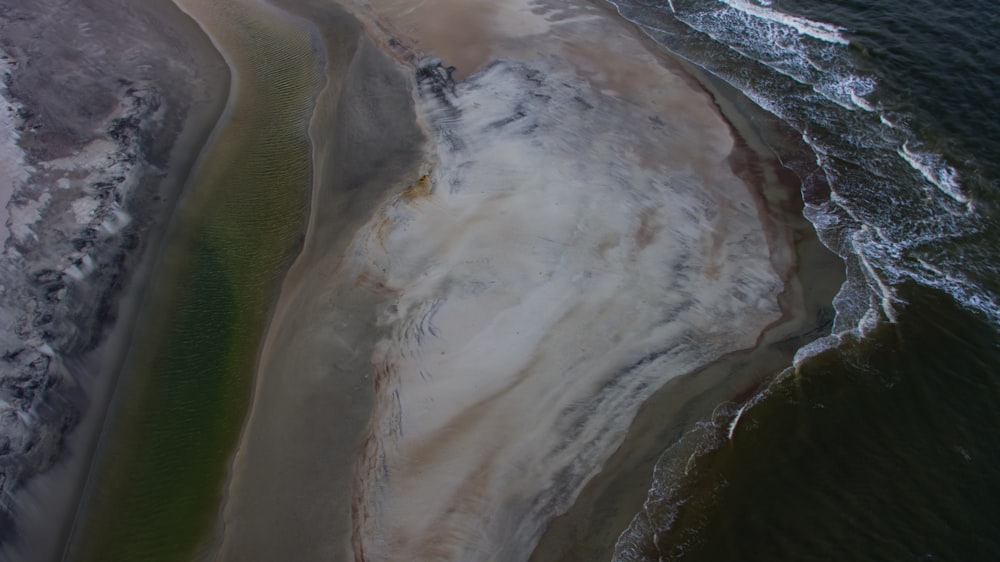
(882, 441)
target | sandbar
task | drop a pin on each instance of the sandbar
(526, 220)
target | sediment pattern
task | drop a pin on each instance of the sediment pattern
(563, 255)
(503, 261)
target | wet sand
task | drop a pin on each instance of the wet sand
(67, 148)
(481, 322)
(178, 411)
(289, 497)
(609, 502)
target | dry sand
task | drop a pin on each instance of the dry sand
(471, 330)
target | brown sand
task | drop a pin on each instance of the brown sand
(608, 503)
(473, 466)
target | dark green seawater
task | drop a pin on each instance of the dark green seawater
(882, 441)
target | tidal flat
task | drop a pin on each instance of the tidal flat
(180, 406)
(443, 278)
(581, 227)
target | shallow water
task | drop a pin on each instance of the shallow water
(883, 449)
(175, 418)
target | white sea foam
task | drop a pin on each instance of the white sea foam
(878, 216)
(776, 40)
(861, 102)
(816, 347)
(887, 297)
(817, 30)
(827, 68)
(736, 421)
(936, 171)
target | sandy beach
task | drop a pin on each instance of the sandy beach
(469, 333)
(447, 279)
(313, 393)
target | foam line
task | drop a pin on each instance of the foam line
(936, 171)
(817, 30)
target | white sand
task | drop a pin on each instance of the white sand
(579, 240)
(575, 239)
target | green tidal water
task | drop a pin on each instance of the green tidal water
(158, 480)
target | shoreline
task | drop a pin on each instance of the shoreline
(609, 502)
(150, 191)
(392, 44)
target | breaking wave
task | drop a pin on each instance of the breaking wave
(883, 198)
(890, 199)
